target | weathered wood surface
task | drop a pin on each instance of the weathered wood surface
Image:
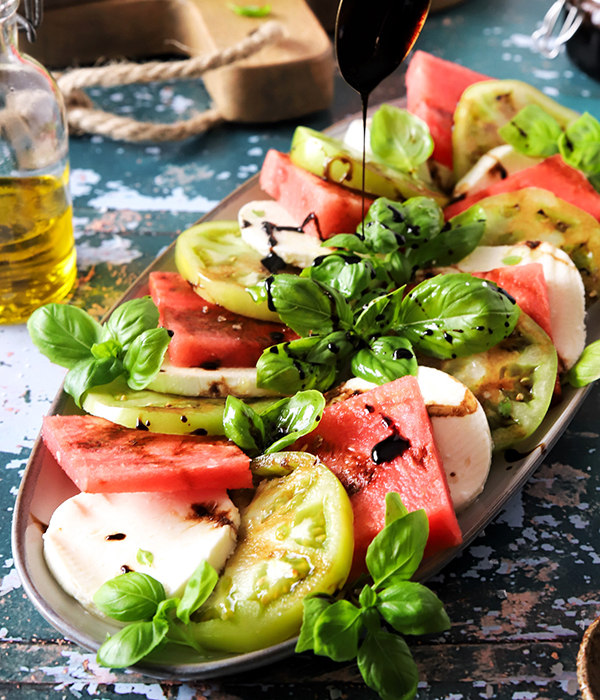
(519, 598)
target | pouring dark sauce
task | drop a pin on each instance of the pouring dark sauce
(372, 38)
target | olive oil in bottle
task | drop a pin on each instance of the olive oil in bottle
(37, 252)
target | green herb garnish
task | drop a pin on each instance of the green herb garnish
(250, 10)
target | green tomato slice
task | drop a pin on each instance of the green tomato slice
(220, 266)
(514, 381)
(330, 159)
(160, 413)
(296, 538)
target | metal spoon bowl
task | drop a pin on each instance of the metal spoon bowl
(588, 662)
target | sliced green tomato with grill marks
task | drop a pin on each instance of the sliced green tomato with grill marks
(296, 538)
(216, 261)
(330, 159)
(160, 413)
(514, 381)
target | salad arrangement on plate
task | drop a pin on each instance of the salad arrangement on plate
(270, 443)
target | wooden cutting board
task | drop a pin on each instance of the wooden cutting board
(285, 80)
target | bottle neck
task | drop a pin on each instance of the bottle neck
(8, 24)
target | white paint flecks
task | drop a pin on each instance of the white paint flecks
(117, 251)
(82, 180)
(123, 197)
(546, 74)
(10, 582)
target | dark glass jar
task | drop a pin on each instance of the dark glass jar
(583, 47)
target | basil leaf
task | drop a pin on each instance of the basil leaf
(109, 348)
(244, 426)
(144, 557)
(396, 552)
(131, 319)
(587, 368)
(387, 666)
(89, 373)
(350, 275)
(385, 227)
(336, 631)
(394, 508)
(314, 605)
(456, 315)
(163, 610)
(250, 10)
(386, 359)
(130, 597)
(398, 268)
(532, 131)
(290, 419)
(399, 138)
(285, 368)
(458, 238)
(332, 348)
(64, 334)
(308, 306)
(348, 241)
(411, 608)
(197, 590)
(380, 314)
(145, 356)
(132, 643)
(579, 145)
(367, 597)
(424, 218)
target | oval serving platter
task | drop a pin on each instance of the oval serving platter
(45, 486)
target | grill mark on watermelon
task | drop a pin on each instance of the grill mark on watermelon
(209, 511)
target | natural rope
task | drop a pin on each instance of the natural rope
(83, 118)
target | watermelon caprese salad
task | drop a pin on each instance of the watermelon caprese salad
(310, 399)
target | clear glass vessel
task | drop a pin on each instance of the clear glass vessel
(37, 252)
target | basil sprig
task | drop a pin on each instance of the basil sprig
(334, 628)
(536, 133)
(155, 619)
(587, 368)
(129, 344)
(277, 427)
(399, 138)
(447, 316)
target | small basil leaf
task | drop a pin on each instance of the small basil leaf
(386, 359)
(332, 348)
(132, 643)
(387, 666)
(587, 368)
(396, 552)
(384, 226)
(90, 373)
(399, 138)
(145, 356)
(314, 605)
(131, 319)
(283, 368)
(458, 238)
(130, 597)
(398, 268)
(411, 608)
(579, 145)
(64, 334)
(451, 316)
(367, 597)
(144, 557)
(250, 10)
(336, 631)
(244, 426)
(197, 590)
(163, 610)
(350, 275)
(532, 131)
(109, 348)
(290, 419)
(348, 241)
(424, 219)
(379, 315)
(308, 306)
(394, 508)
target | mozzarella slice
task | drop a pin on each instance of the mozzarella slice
(566, 294)
(258, 225)
(497, 164)
(460, 430)
(213, 383)
(93, 537)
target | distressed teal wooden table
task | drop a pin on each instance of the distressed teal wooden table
(520, 597)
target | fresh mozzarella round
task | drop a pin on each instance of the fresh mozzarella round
(460, 430)
(93, 537)
(354, 136)
(497, 164)
(566, 294)
(258, 225)
(213, 383)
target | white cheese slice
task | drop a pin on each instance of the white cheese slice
(213, 383)
(93, 537)
(566, 294)
(460, 430)
(258, 225)
(497, 164)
